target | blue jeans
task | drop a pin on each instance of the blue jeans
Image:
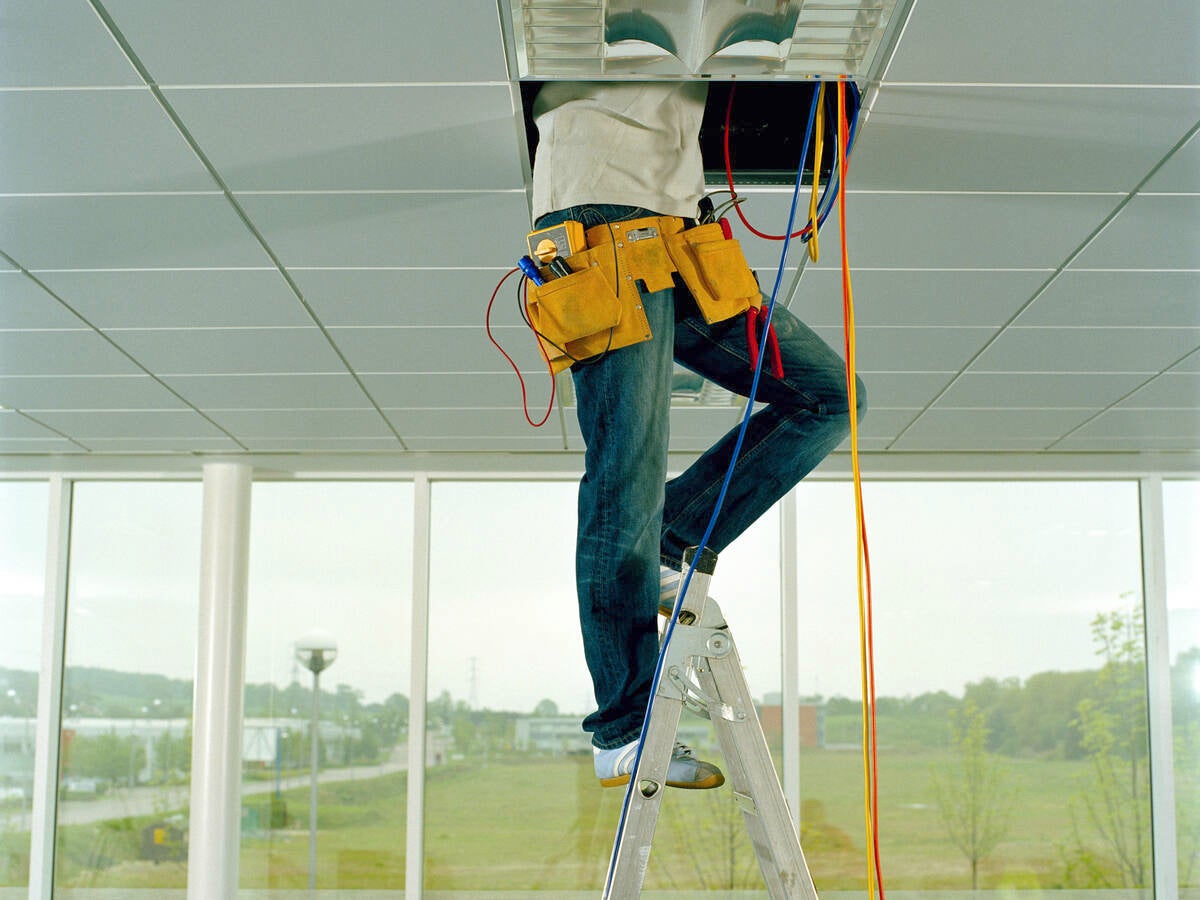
(631, 518)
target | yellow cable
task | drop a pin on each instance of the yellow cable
(818, 150)
(852, 391)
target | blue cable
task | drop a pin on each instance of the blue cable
(720, 497)
(829, 195)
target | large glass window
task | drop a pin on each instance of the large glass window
(330, 565)
(1010, 678)
(1181, 509)
(512, 802)
(127, 698)
(22, 578)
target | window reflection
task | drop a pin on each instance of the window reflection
(22, 577)
(1181, 511)
(512, 801)
(127, 696)
(330, 566)
(1010, 679)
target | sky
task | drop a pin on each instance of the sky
(970, 580)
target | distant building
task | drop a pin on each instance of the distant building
(551, 734)
(565, 734)
(811, 724)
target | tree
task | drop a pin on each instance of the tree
(973, 793)
(1115, 798)
(705, 844)
(546, 708)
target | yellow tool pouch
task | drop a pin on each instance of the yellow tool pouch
(598, 308)
(715, 270)
(580, 315)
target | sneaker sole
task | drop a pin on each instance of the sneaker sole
(712, 781)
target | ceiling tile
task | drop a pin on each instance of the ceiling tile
(1037, 391)
(708, 424)
(1126, 444)
(40, 446)
(1153, 232)
(85, 141)
(888, 349)
(942, 231)
(922, 297)
(423, 391)
(289, 390)
(184, 298)
(186, 444)
(58, 43)
(302, 423)
(426, 137)
(1180, 173)
(309, 41)
(487, 444)
(24, 304)
(15, 425)
(1050, 41)
(1190, 363)
(85, 392)
(1005, 138)
(84, 425)
(427, 423)
(126, 231)
(1100, 299)
(916, 442)
(414, 350)
(224, 351)
(352, 230)
(1045, 425)
(61, 353)
(290, 445)
(1087, 349)
(903, 390)
(407, 296)
(1172, 390)
(886, 423)
(1156, 423)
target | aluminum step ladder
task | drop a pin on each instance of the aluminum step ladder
(701, 670)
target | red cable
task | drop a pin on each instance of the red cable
(737, 207)
(487, 324)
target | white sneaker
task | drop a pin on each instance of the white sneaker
(614, 767)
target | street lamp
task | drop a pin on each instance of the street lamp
(316, 651)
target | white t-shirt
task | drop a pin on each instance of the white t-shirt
(633, 144)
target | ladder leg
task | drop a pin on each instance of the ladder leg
(702, 648)
(631, 850)
(635, 832)
(751, 773)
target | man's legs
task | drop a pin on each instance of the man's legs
(623, 404)
(806, 418)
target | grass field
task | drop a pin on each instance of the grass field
(543, 824)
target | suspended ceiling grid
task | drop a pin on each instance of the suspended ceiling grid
(270, 231)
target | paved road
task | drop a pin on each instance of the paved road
(143, 801)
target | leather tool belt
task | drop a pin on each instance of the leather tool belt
(598, 307)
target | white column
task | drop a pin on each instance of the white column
(1158, 691)
(789, 592)
(220, 675)
(414, 874)
(48, 739)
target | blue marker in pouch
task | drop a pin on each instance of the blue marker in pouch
(530, 269)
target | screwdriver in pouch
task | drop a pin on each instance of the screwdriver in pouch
(529, 267)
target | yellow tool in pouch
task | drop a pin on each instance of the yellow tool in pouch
(563, 239)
